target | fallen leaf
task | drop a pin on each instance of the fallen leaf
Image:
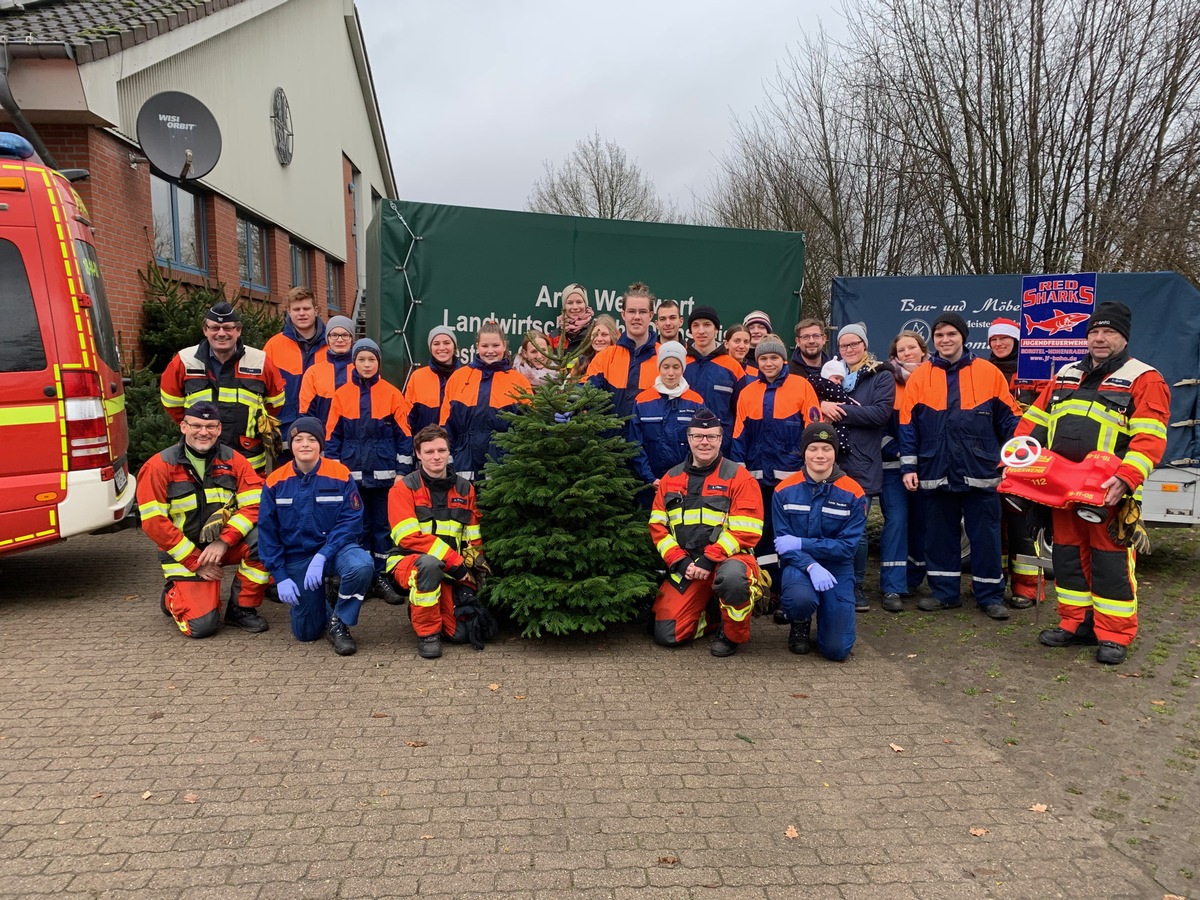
(518, 696)
(1173, 897)
(379, 716)
(977, 832)
(493, 687)
(791, 834)
(1130, 674)
(154, 715)
(255, 739)
(1158, 702)
(800, 696)
(897, 748)
(416, 744)
(668, 860)
(170, 687)
(190, 797)
(132, 597)
(1038, 807)
(97, 795)
(911, 656)
(147, 795)
(427, 837)
(947, 741)
(742, 737)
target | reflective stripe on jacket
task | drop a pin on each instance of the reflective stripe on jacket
(305, 514)
(293, 356)
(830, 516)
(771, 416)
(440, 526)
(367, 431)
(659, 428)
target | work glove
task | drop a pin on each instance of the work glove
(1126, 527)
(474, 559)
(786, 543)
(288, 592)
(315, 575)
(216, 522)
(562, 418)
(821, 579)
(269, 433)
(458, 573)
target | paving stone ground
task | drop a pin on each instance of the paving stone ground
(137, 763)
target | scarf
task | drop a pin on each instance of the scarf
(572, 327)
(670, 393)
(865, 365)
(1007, 365)
(535, 374)
(903, 370)
(444, 369)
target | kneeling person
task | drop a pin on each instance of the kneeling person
(199, 502)
(435, 525)
(820, 515)
(309, 523)
(707, 519)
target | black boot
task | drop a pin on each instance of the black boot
(382, 588)
(799, 639)
(1058, 636)
(339, 636)
(430, 646)
(1111, 653)
(245, 618)
(721, 645)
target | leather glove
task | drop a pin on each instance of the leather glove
(458, 573)
(821, 579)
(316, 572)
(562, 418)
(288, 592)
(786, 543)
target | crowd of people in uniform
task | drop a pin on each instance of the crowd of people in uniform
(760, 467)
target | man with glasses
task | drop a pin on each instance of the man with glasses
(245, 385)
(809, 355)
(629, 366)
(295, 349)
(330, 370)
(706, 521)
(199, 503)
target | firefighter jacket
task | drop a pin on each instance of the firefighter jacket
(718, 379)
(425, 391)
(476, 394)
(293, 356)
(320, 382)
(705, 516)
(243, 387)
(436, 516)
(830, 516)
(954, 418)
(1121, 407)
(175, 502)
(367, 431)
(302, 515)
(771, 416)
(625, 371)
(659, 428)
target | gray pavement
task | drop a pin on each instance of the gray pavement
(137, 763)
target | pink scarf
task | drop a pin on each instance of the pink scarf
(574, 326)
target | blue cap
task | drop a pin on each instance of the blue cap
(365, 344)
(204, 409)
(307, 425)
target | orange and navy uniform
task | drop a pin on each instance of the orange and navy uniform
(368, 430)
(711, 517)
(476, 394)
(1121, 407)
(293, 356)
(659, 430)
(322, 379)
(247, 384)
(718, 379)
(771, 416)
(175, 501)
(426, 389)
(437, 520)
(624, 371)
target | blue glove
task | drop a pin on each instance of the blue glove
(821, 579)
(288, 592)
(786, 543)
(562, 418)
(315, 576)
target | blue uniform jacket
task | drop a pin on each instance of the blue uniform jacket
(659, 428)
(718, 379)
(771, 418)
(292, 366)
(366, 431)
(830, 516)
(625, 371)
(302, 515)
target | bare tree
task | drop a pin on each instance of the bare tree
(598, 180)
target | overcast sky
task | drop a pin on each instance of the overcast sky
(475, 95)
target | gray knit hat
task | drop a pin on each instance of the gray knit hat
(342, 322)
(365, 344)
(438, 331)
(772, 343)
(672, 350)
(858, 329)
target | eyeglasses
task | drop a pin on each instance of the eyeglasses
(811, 337)
(704, 438)
(212, 327)
(849, 345)
(339, 336)
(203, 426)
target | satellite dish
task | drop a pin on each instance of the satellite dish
(179, 135)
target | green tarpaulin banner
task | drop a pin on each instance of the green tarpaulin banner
(431, 264)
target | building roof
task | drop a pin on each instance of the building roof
(95, 29)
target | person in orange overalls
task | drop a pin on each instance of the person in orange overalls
(706, 520)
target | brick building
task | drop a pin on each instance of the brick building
(304, 161)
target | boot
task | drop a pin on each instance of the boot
(430, 646)
(1058, 636)
(799, 639)
(721, 645)
(339, 636)
(892, 602)
(1111, 653)
(245, 618)
(382, 588)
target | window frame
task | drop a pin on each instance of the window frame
(297, 250)
(253, 226)
(201, 227)
(333, 286)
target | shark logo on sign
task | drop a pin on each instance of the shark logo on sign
(1060, 321)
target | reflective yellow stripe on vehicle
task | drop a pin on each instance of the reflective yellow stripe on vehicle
(41, 414)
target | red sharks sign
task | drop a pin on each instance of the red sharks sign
(1054, 314)
(1061, 321)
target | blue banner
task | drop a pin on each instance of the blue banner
(1054, 314)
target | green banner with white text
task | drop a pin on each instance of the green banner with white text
(458, 266)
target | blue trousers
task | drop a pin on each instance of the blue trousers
(860, 557)
(376, 533)
(311, 614)
(834, 608)
(902, 542)
(979, 511)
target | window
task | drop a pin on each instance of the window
(21, 347)
(301, 275)
(93, 284)
(252, 254)
(178, 226)
(333, 286)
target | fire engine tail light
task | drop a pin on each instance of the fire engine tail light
(87, 430)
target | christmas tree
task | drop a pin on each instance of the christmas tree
(568, 545)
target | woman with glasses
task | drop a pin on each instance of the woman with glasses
(328, 373)
(863, 420)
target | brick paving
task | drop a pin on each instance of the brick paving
(137, 763)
